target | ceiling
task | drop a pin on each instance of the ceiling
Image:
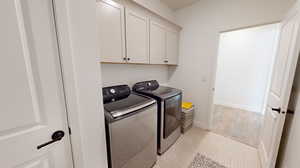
(177, 4)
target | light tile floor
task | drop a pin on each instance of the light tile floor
(240, 125)
(227, 152)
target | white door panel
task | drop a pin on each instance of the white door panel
(281, 62)
(32, 101)
(157, 43)
(110, 17)
(282, 78)
(39, 163)
(172, 47)
(137, 37)
(271, 118)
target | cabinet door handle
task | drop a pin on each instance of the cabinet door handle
(166, 61)
(128, 59)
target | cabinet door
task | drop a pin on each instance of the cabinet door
(157, 43)
(110, 18)
(137, 37)
(172, 43)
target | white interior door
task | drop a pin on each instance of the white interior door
(31, 101)
(282, 78)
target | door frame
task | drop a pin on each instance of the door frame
(215, 66)
(75, 23)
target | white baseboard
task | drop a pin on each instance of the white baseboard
(262, 154)
(239, 106)
(199, 124)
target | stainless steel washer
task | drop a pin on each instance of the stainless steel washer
(131, 128)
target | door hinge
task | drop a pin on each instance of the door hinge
(70, 132)
(278, 110)
(290, 111)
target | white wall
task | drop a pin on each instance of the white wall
(244, 67)
(202, 22)
(116, 74)
(159, 8)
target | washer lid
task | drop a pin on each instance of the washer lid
(153, 89)
(162, 92)
(128, 105)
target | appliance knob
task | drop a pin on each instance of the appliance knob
(113, 91)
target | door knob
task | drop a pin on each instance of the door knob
(56, 136)
(278, 110)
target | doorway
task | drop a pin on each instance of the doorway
(243, 75)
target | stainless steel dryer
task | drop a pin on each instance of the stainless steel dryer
(131, 128)
(169, 111)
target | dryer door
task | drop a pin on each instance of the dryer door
(172, 114)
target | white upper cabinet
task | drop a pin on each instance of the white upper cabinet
(111, 25)
(137, 37)
(130, 34)
(172, 42)
(164, 44)
(157, 43)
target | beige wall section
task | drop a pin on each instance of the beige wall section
(116, 74)
(201, 24)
